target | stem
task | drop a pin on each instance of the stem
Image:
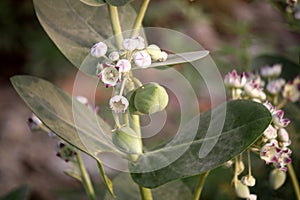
(294, 180)
(145, 193)
(140, 17)
(200, 185)
(249, 162)
(115, 23)
(85, 179)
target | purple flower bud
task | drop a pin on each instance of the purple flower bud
(142, 59)
(123, 65)
(99, 49)
(268, 71)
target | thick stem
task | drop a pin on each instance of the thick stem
(115, 23)
(200, 185)
(295, 182)
(86, 181)
(140, 17)
(145, 193)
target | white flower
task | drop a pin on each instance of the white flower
(142, 59)
(268, 71)
(254, 91)
(123, 65)
(233, 80)
(291, 90)
(114, 56)
(118, 103)
(99, 49)
(278, 119)
(248, 180)
(130, 44)
(252, 197)
(275, 86)
(270, 132)
(110, 76)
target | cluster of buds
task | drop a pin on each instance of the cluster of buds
(267, 88)
(114, 70)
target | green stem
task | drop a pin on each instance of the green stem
(85, 179)
(200, 185)
(115, 23)
(140, 17)
(294, 180)
(145, 193)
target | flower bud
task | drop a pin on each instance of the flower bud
(248, 180)
(241, 190)
(127, 140)
(149, 98)
(99, 49)
(142, 59)
(114, 56)
(277, 178)
(155, 52)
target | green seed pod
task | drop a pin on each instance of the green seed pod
(241, 190)
(127, 140)
(150, 98)
(277, 178)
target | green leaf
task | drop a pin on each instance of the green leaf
(126, 189)
(66, 117)
(74, 26)
(290, 69)
(93, 2)
(118, 2)
(244, 123)
(20, 193)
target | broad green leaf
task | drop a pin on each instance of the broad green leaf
(74, 26)
(93, 2)
(20, 193)
(126, 189)
(118, 2)
(245, 121)
(290, 69)
(66, 117)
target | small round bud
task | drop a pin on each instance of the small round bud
(150, 98)
(164, 56)
(99, 49)
(277, 178)
(154, 51)
(140, 42)
(130, 44)
(248, 180)
(114, 56)
(142, 59)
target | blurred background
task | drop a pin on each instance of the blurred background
(236, 32)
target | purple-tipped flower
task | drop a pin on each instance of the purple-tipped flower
(269, 71)
(234, 80)
(278, 119)
(99, 49)
(291, 91)
(34, 123)
(254, 91)
(123, 65)
(284, 158)
(118, 103)
(142, 59)
(270, 107)
(269, 152)
(275, 86)
(110, 76)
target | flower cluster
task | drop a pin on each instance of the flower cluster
(114, 71)
(267, 88)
